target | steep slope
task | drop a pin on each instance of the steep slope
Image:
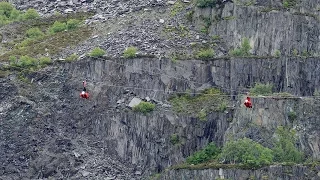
(46, 131)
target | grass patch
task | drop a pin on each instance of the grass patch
(72, 57)
(199, 105)
(174, 139)
(289, 3)
(97, 52)
(130, 52)
(27, 34)
(144, 107)
(261, 89)
(51, 44)
(205, 54)
(243, 50)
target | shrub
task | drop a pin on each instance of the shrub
(34, 33)
(174, 139)
(277, 53)
(144, 107)
(30, 14)
(72, 24)
(244, 50)
(13, 60)
(292, 115)
(206, 3)
(97, 52)
(58, 27)
(202, 115)
(295, 52)
(15, 14)
(247, 152)
(261, 89)
(130, 52)
(72, 57)
(205, 54)
(6, 9)
(45, 60)
(210, 152)
(289, 3)
(26, 61)
(284, 147)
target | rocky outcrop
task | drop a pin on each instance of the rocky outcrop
(47, 118)
(267, 29)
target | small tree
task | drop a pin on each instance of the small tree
(210, 152)
(34, 33)
(244, 50)
(72, 24)
(30, 14)
(284, 147)
(130, 52)
(57, 27)
(247, 152)
(45, 60)
(144, 107)
(5, 9)
(97, 52)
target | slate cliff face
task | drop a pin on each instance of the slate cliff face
(47, 131)
(70, 132)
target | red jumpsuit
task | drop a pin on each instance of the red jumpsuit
(84, 93)
(248, 103)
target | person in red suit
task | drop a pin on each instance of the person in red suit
(84, 93)
(248, 103)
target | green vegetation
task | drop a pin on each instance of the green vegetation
(8, 14)
(284, 147)
(144, 107)
(198, 106)
(216, 38)
(28, 63)
(176, 8)
(207, 21)
(295, 52)
(173, 31)
(72, 57)
(34, 33)
(205, 54)
(174, 139)
(261, 89)
(45, 60)
(97, 52)
(30, 40)
(30, 14)
(189, 15)
(211, 151)
(292, 115)
(243, 50)
(206, 3)
(277, 53)
(130, 52)
(247, 152)
(202, 115)
(57, 27)
(72, 24)
(289, 3)
(64, 26)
